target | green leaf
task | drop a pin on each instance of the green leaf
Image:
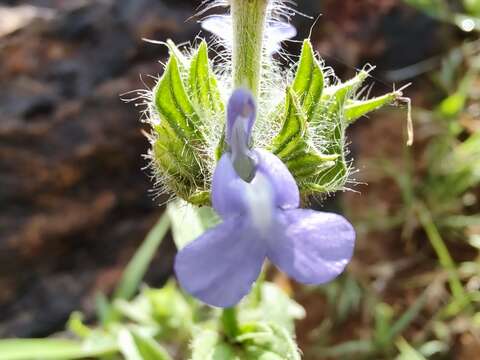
(173, 104)
(434, 8)
(171, 310)
(355, 109)
(433, 347)
(52, 349)
(103, 308)
(293, 129)
(137, 267)
(127, 345)
(264, 340)
(148, 348)
(182, 60)
(275, 306)
(178, 141)
(291, 144)
(472, 6)
(76, 326)
(455, 103)
(264, 355)
(165, 311)
(208, 345)
(452, 105)
(348, 299)
(134, 345)
(308, 162)
(330, 119)
(334, 98)
(349, 348)
(407, 352)
(406, 319)
(139, 310)
(383, 323)
(309, 80)
(177, 161)
(189, 222)
(203, 84)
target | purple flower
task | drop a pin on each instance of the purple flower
(258, 200)
(275, 31)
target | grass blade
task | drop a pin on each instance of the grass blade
(51, 349)
(137, 267)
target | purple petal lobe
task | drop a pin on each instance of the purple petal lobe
(313, 247)
(285, 188)
(228, 189)
(220, 266)
(241, 109)
(241, 115)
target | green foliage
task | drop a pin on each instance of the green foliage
(266, 341)
(165, 310)
(448, 11)
(53, 349)
(143, 328)
(472, 7)
(185, 106)
(343, 297)
(273, 305)
(355, 109)
(203, 84)
(138, 266)
(189, 222)
(313, 119)
(309, 80)
(311, 141)
(437, 220)
(208, 345)
(387, 328)
(407, 352)
(292, 147)
(261, 327)
(135, 346)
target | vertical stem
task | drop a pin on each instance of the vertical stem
(248, 18)
(230, 323)
(443, 254)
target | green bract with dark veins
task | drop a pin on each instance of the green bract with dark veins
(188, 117)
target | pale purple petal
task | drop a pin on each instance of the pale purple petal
(313, 247)
(228, 189)
(220, 26)
(220, 266)
(241, 114)
(287, 195)
(276, 33)
(281, 31)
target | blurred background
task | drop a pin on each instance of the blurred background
(75, 200)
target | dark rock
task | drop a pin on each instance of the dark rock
(74, 201)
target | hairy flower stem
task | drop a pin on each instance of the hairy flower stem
(249, 18)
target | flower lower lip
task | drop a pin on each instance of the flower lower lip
(261, 219)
